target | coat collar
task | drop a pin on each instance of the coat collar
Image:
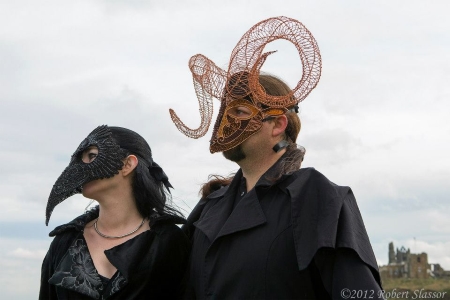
(78, 223)
(221, 219)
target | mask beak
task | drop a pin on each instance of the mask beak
(65, 186)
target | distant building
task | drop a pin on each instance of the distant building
(404, 264)
(437, 271)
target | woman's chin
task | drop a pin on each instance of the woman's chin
(87, 190)
(85, 194)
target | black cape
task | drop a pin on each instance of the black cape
(323, 216)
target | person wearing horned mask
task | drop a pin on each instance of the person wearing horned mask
(273, 230)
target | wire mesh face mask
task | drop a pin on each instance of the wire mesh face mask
(239, 86)
(106, 164)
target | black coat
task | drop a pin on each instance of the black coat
(300, 237)
(150, 265)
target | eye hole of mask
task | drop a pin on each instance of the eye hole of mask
(240, 109)
(240, 112)
(89, 154)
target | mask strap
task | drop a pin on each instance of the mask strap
(294, 109)
(268, 118)
(280, 145)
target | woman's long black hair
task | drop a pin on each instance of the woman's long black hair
(149, 193)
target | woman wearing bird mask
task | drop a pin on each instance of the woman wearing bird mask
(128, 247)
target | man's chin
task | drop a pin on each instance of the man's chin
(234, 154)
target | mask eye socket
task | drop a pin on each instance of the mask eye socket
(240, 112)
(89, 154)
(241, 109)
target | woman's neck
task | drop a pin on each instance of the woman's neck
(118, 212)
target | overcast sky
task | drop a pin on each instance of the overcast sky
(377, 121)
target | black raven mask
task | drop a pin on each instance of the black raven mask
(107, 164)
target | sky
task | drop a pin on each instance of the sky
(377, 121)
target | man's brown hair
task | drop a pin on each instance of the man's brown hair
(277, 87)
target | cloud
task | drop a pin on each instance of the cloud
(27, 254)
(21, 261)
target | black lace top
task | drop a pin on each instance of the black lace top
(151, 264)
(104, 280)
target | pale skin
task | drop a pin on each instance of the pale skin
(258, 148)
(118, 212)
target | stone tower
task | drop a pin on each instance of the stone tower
(391, 253)
(402, 255)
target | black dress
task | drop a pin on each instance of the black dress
(299, 237)
(149, 266)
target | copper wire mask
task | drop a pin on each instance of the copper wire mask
(240, 84)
